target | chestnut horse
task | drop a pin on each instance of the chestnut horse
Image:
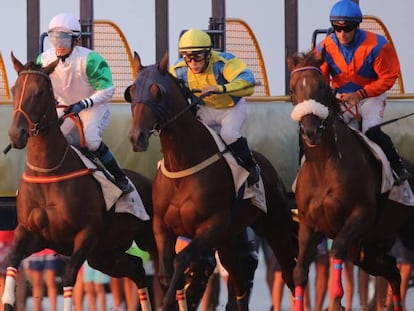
(63, 208)
(338, 188)
(200, 201)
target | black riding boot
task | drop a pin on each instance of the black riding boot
(107, 159)
(244, 157)
(385, 142)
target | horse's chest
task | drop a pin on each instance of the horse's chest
(321, 208)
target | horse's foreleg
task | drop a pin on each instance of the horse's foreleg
(121, 265)
(84, 243)
(308, 241)
(239, 257)
(165, 241)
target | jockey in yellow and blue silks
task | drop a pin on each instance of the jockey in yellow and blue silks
(211, 71)
(361, 66)
(82, 81)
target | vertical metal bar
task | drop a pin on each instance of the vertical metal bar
(32, 28)
(161, 28)
(217, 24)
(86, 21)
(291, 34)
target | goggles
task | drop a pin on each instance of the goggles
(197, 57)
(60, 39)
(344, 27)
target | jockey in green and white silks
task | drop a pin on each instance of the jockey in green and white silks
(84, 75)
(82, 83)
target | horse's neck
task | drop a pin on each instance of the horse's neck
(332, 146)
(47, 149)
(186, 141)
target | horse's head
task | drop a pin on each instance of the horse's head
(149, 98)
(312, 97)
(33, 101)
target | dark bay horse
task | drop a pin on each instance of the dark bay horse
(60, 204)
(338, 189)
(199, 203)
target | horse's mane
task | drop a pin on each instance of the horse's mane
(314, 59)
(185, 91)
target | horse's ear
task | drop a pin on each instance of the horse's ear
(49, 68)
(137, 62)
(320, 56)
(18, 66)
(291, 63)
(163, 66)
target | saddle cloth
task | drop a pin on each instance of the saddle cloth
(256, 192)
(399, 193)
(128, 203)
(402, 193)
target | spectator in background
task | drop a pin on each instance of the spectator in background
(124, 290)
(78, 291)
(94, 288)
(6, 241)
(405, 262)
(274, 279)
(43, 267)
(321, 277)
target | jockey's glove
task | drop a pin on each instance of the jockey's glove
(79, 106)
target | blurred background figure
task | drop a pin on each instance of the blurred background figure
(405, 262)
(321, 264)
(43, 268)
(94, 283)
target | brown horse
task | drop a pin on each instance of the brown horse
(201, 202)
(338, 189)
(59, 203)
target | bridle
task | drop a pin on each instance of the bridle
(162, 113)
(323, 120)
(34, 127)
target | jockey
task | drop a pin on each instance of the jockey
(82, 81)
(361, 67)
(211, 71)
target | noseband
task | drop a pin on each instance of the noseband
(310, 106)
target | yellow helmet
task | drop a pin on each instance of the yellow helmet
(193, 41)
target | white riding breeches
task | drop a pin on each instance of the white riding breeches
(230, 120)
(371, 110)
(94, 120)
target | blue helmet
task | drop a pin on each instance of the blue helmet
(347, 11)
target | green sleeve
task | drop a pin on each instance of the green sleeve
(98, 72)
